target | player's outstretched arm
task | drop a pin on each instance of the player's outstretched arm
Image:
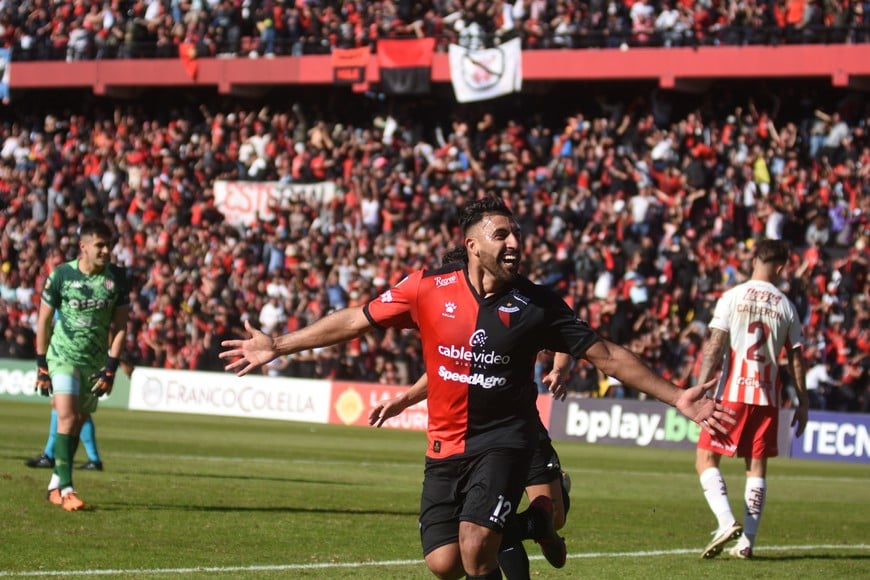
(621, 363)
(392, 407)
(247, 355)
(697, 404)
(255, 351)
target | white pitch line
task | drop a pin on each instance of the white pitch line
(333, 565)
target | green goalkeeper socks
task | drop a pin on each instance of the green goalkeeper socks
(63, 459)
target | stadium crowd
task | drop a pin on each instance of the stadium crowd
(639, 211)
(102, 29)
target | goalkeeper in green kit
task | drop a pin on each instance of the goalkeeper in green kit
(81, 330)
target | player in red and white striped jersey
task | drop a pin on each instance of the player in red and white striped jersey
(751, 325)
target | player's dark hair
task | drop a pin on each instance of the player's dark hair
(473, 211)
(772, 251)
(96, 227)
(459, 254)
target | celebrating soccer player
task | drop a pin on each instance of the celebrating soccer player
(481, 325)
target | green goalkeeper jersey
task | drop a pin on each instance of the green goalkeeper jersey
(84, 307)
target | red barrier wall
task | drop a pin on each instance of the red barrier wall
(679, 68)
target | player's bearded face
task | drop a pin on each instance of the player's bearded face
(499, 242)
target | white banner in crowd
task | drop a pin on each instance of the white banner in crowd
(228, 395)
(243, 202)
(479, 75)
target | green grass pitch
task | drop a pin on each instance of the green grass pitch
(188, 496)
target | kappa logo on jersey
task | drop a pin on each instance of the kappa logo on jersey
(505, 311)
(441, 282)
(76, 284)
(387, 297)
(449, 310)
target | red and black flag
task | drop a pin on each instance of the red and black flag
(349, 65)
(406, 65)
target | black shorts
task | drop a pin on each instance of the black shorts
(545, 465)
(485, 489)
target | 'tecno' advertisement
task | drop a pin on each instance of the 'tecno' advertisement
(835, 437)
(226, 394)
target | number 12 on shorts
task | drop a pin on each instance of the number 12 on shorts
(502, 510)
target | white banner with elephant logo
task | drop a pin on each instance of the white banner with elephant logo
(478, 75)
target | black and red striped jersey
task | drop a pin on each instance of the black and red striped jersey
(480, 354)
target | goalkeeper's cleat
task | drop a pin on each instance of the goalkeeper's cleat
(720, 538)
(552, 545)
(92, 466)
(744, 553)
(71, 502)
(54, 497)
(41, 460)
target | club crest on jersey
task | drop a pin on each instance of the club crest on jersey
(109, 284)
(505, 311)
(449, 310)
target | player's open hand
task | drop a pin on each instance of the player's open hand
(385, 410)
(247, 355)
(557, 384)
(696, 404)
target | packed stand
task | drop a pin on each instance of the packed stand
(640, 217)
(58, 30)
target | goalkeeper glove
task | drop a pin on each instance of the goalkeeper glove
(104, 378)
(43, 379)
